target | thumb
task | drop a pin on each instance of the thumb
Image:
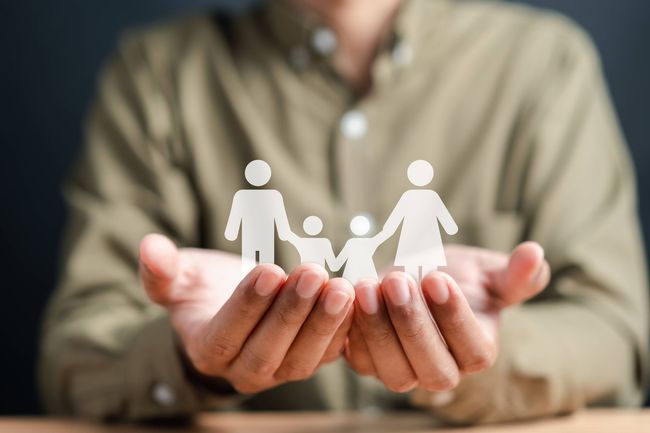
(159, 263)
(526, 274)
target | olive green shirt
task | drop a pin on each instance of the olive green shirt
(509, 105)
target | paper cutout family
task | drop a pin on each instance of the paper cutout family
(420, 212)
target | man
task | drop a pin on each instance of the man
(339, 97)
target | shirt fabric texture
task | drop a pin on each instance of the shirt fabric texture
(507, 102)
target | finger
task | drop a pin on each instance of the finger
(357, 354)
(159, 263)
(337, 345)
(434, 366)
(228, 330)
(389, 359)
(526, 274)
(317, 332)
(470, 346)
(265, 349)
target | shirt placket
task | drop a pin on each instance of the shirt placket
(350, 141)
(358, 137)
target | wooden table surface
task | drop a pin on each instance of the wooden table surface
(595, 421)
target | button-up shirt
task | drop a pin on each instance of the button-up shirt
(508, 104)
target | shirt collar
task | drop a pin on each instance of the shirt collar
(295, 31)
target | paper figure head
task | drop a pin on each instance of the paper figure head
(420, 173)
(312, 225)
(360, 225)
(258, 173)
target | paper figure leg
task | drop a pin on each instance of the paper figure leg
(248, 259)
(267, 255)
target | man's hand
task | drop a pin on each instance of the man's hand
(271, 329)
(430, 338)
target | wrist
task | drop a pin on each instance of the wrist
(212, 384)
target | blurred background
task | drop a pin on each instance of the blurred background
(51, 53)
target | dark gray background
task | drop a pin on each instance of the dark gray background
(51, 52)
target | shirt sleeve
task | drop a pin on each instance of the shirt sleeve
(107, 351)
(583, 341)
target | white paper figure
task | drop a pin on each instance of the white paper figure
(419, 211)
(258, 212)
(357, 252)
(313, 249)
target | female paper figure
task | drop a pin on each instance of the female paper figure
(313, 249)
(357, 252)
(420, 212)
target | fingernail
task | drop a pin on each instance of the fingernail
(335, 301)
(438, 290)
(398, 291)
(308, 284)
(266, 283)
(368, 299)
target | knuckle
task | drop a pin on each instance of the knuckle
(289, 318)
(333, 352)
(212, 354)
(478, 362)
(330, 357)
(247, 304)
(295, 370)
(203, 366)
(320, 328)
(221, 348)
(413, 329)
(378, 335)
(445, 381)
(364, 369)
(406, 312)
(256, 365)
(361, 364)
(402, 386)
(455, 322)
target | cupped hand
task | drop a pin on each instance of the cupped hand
(431, 337)
(257, 333)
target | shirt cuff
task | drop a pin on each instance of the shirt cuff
(157, 382)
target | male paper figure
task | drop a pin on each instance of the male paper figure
(258, 212)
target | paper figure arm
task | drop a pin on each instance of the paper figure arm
(445, 218)
(392, 223)
(293, 238)
(381, 237)
(330, 259)
(281, 220)
(339, 260)
(234, 220)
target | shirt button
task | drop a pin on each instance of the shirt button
(354, 125)
(402, 54)
(324, 41)
(163, 394)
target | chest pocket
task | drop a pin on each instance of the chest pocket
(499, 231)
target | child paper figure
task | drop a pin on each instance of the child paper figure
(357, 252)
(420, 212)
(258, 212)
(313, 249)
